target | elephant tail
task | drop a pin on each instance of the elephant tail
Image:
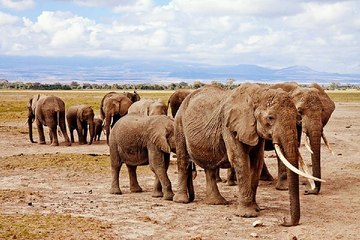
(190, 184)
(58, 124)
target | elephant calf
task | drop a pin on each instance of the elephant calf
(78, 118)
(98, 128)
(141, 140)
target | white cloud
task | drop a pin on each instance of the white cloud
(17, 4)
(321, 34)
(7, 19)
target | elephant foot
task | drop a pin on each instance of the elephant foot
(282, 185)
(168, 196)
(68, 144)
(218, 179)
(157, 194)
(115, 190)
(136, 189)
(181, 198)
(231, 183)
(42, 142)
(248, 211)
(55, 144)
(266, 177)
(215, 200)
(311, 192)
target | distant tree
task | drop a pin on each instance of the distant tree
(197, 84)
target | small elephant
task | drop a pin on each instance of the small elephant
(47, 111)
(176, 99)
(218, 128)
(79, 117)
(142, 140)
(98, 128)
(113, 106)
(148, 107)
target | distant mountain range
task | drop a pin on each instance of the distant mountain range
(106, 70)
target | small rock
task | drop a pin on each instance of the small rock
(30, 204)
(254, 235)
(257, 223)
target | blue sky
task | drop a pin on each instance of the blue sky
(321, 34)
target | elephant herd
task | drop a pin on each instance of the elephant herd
(211, 127)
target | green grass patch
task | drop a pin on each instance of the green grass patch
(54, 226)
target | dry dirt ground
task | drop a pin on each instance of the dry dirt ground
(38, 180)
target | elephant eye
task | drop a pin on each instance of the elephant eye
(270, 119)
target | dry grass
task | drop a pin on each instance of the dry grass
(91, 163)
(52, 226)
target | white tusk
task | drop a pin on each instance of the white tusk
(327, 143)
(307, 145)
(291, 167)
(304, 167)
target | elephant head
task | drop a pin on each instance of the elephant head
(314, 110)
(161, 133)
(31, 114)
(253, 113)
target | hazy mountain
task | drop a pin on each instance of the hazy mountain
(49, 70)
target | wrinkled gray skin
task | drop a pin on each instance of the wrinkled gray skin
(98, 128)
(47, 111)
(215, 127)
(113, 106)
(149, 141)
(80, 118)
(148, 107)
(314, 109)
(176, 99)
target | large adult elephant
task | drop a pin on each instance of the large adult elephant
(47, 111)
(148, 107)
(218, 128)
(314, 109)
(176, 99)
(80, 118)
(113, 106)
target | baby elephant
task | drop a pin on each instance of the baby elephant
(79, 117)
(141, 140)
(98, 128)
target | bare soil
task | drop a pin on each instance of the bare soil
(63, 187)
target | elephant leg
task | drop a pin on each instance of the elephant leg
(72, 135)
(217, 175)
(157, 192)
(53, 136)
(183, 165)
(231, 177)
(256, 166)
(116, 164)
(213, 195)
(159, 163)
(85, 127)
(282, 183)
(40, 128)
(63, 130)
(134, 185)
(107, 128)
(265, 174)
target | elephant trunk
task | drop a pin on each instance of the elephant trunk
(289, 145)
(92, 131)
(30, 119)
(315, 142)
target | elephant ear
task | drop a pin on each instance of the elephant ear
(157, 135)
(240, 119)
(80, 114)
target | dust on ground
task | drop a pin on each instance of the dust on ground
(65, 186)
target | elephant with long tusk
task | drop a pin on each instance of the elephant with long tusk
(314, 109)
(218, 128)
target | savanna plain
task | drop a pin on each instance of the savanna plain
(63, 192)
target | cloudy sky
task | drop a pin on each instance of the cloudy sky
(321, 34)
